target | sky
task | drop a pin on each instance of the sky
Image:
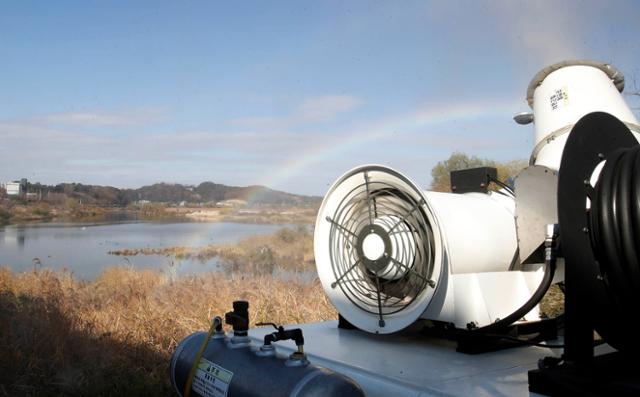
(287, 94)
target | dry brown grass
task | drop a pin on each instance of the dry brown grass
(553, 302)
(289, 249)
(115, 335)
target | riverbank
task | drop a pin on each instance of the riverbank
(289, 249)
(18, 212)
(115, 335)
(259, 215)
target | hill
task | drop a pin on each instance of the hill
(206, 192)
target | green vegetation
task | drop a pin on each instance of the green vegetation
(153, 211)
(43, 211)
(16, 212)
(204, 193)
(5, 216)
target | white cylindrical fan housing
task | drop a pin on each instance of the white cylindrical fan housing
(383, 247)
(388, 253)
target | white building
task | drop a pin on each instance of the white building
(16, 188)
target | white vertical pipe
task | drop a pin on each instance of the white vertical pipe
(563, 93)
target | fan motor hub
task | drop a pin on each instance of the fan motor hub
(374, 247)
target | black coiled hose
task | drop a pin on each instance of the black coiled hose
(615, 225)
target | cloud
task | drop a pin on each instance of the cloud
(517, 38)
(311, 110)
(98, 119)
(546, 31)
(327, 107)
(42, 149)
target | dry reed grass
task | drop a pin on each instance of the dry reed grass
(115, 335)
(289, 249)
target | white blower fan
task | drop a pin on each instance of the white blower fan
(388, 253)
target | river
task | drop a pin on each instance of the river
(82, 248)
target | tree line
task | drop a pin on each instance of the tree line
(441, 181)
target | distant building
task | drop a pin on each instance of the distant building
(13, 188)
(16, 188)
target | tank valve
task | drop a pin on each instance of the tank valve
(217, 324)
(286, 334)
(238, 318)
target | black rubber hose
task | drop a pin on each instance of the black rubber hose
(615, 224)
(606, 247)
(635, 201)
(547, 280)
(627, 234)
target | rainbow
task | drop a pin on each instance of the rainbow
(419, 120)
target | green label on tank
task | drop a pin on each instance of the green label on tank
(211, 380)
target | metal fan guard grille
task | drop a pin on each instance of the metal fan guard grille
(406, 268)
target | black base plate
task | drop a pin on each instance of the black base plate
(476, 342)
(612, 374)
(344, 323)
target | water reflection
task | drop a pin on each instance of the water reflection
(15, 238)
(83, 248)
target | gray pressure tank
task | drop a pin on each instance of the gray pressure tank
(232, 367)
